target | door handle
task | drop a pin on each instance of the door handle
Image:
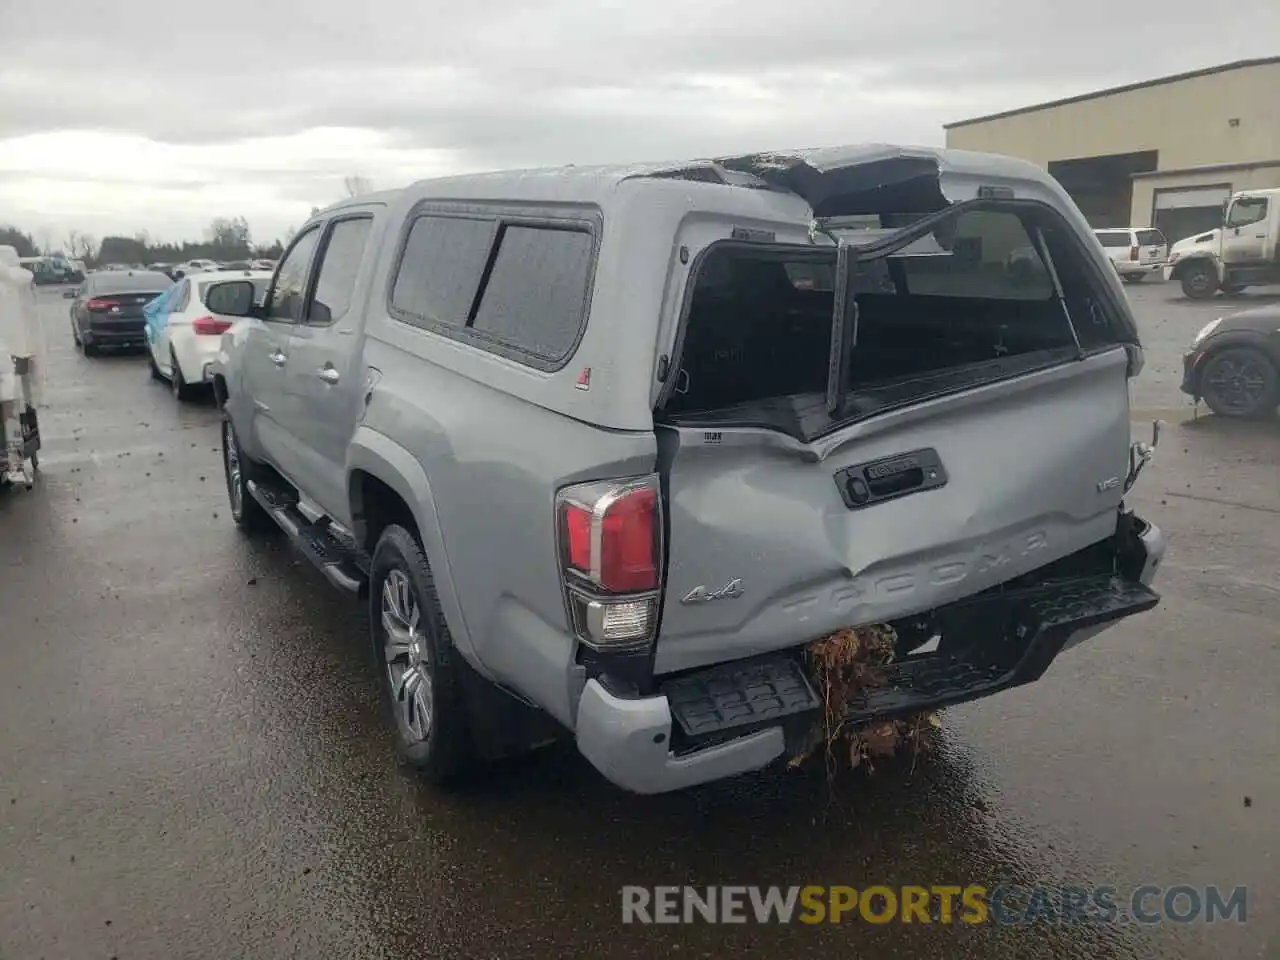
(278, 358)
(328, 374)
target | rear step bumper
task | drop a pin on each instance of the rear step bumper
(737, 717)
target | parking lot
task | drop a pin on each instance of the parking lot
(194, 760)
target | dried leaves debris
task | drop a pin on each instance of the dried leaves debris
(844, 665)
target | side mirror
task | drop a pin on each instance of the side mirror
(234, 298)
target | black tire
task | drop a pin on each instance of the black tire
(1240, 382)
(249, 515)
(75, 333)
(182, 391)
(445, 752)
(88, 349)
(151, 362)
(1199, 282)
(1132, 278)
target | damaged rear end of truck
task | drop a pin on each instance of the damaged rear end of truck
(917, 417)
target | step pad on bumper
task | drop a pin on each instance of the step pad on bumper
(988, 643)
(339, 559)
(737, 695)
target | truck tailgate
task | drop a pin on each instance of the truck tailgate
(768, 546)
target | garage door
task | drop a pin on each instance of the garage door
(1184, 212)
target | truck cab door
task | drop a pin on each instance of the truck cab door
(1244, 234)
(266, 357)
(325, 371)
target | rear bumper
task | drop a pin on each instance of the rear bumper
(195, 353)
(1131, 269)
(122, 333)
(685, 735)
(1190, 360)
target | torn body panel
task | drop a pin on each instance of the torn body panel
(1028, 465)
(879, 178)
(948, 421)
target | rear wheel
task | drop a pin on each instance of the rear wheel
(1199, 281)
(75, 333)
(419, 666)
(151, 362)
(1131, 278)
(182, 390)
(1240, 382)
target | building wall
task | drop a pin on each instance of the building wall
(1233, 180)
(1185, 120)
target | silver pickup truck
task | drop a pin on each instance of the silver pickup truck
(604, 448)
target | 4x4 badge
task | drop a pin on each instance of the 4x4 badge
(700, 594)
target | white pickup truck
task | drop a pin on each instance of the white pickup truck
(1241, 253)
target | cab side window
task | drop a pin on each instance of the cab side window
(290, 290)
(1247, 211)
(339, 264)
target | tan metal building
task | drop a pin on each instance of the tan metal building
(1162, 153)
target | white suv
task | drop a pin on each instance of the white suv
(1136, 252)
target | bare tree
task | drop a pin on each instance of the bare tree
(85, 246)
(231, 236)
(72, 243)
(356, 185)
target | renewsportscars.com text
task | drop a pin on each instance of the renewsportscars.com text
(971, 904)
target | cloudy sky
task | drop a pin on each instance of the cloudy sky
(121, 117)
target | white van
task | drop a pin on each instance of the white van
(1137, 252)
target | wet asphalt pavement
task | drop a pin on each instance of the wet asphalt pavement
(194, 762)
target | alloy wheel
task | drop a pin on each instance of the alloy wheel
(1238, 384)
(235, 477)
(405, 653)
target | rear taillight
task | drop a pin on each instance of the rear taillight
(210, 326)
(1133, 253)
(611, 560)
(100, 306)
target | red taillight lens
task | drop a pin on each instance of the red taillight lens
(100, 306)
(210, 326)
(1133, 253)
(611, 543)
(627, 542)
(577, 523)
(613, 538)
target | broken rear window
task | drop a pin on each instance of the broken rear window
(973, 292)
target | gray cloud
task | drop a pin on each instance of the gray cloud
(494, 83)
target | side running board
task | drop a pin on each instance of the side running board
(342, 562)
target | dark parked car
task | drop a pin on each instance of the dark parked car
(1233, 363)
(168, 269)
(107, 311)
